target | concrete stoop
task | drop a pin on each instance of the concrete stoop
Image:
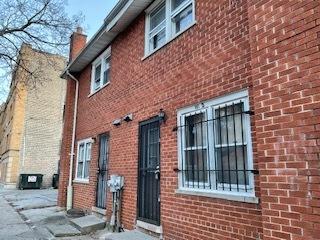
(129, 235)
(65, 230)
(76, 226)
(88, 224)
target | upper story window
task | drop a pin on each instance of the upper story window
(215, 149)
(100, 75)
(165, 20)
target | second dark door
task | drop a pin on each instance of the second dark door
(149, 172)
(102, 172)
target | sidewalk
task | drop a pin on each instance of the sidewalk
(12, 227)
(29, 214)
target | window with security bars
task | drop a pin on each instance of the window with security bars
(215, 146)
(195, 150)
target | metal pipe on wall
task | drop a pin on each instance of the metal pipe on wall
(70, 187)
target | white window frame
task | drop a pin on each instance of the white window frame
(85, 142)
(184, 148)
(169, 28)
(100, 60)
(209, 107)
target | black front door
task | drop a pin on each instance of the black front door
(102, 172)
(149, 172)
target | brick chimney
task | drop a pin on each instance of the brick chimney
(77, 42)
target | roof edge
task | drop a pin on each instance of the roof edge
(120, 17)
(114, 12)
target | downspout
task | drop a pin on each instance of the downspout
(70, 188)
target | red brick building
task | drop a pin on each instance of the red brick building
(211, 112)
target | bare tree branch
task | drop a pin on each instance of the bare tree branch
(44, 24)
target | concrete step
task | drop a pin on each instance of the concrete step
(64, 230)
(88, 224)
(129, 235)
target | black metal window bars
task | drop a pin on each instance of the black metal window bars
(215, 151)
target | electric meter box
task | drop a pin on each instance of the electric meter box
(116, 183)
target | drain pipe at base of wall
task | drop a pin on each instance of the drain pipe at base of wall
(70, 187)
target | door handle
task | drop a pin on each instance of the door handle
(157, 174)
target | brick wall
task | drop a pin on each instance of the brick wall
(235, 45)
(286, 71)
(31, 118)
(77, 42)
(66, 144)
(12, 122)
(41, 135)
(186, 71)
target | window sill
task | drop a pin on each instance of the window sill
(170, 40)
(149, 227)
(81, 181)
(232, 197)
(93, 93)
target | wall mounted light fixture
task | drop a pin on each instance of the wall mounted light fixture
(162, 116)
(117, 122)
(128, 118)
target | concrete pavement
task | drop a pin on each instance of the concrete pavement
(130, 235)
(33, 215)
(12, 227)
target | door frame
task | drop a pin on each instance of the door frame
(141, 124)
